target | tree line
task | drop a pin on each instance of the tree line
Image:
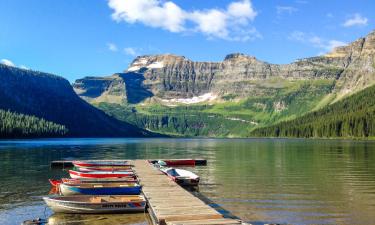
(15, 125)
(353, 116)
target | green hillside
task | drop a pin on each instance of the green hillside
(352, 117)
(15, 125)
(229, 118)
(52, 98)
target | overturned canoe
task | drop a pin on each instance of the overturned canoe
(100, 189)
(72, 181)
(100, 174)
(99, 163)
(100, 180)
(96, 204)
(180, 176)
(174, 162)
(104, 169)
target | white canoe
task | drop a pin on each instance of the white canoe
(180, 176)
(96, 204)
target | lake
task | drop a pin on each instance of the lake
(293, 181)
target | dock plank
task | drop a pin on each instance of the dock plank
(171, 204)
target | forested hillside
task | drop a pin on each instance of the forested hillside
(15, 125)
(52, 98)
(349, 118)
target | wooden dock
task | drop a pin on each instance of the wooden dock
(170, 204)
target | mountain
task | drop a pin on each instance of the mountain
(172, 94)
(351, 117)
(52, 98)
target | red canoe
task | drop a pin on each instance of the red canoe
(98, 163)
(179, 162)
(100, 174)
(108, 169)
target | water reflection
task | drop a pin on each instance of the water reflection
(259, 180)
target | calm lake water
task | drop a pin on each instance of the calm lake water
(259, 180)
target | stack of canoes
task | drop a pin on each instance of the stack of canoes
(98, 187)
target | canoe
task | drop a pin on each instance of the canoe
(106, 169)
(100, 174)
(73, 181)
(99, 163)
(175, 162)
(100, 189)
(96, 204)
(180, 176)
(100, 180)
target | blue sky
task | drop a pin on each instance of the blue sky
(76, 38)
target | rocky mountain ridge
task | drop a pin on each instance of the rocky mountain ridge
(238, 75)
(171, 94)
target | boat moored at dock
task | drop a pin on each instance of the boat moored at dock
(96, 204)
(180, 176)
(104, 169)
(100, 174)
(100, 189)
(100, 163)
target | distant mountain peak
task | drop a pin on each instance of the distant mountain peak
(234, 56)
(153, 61)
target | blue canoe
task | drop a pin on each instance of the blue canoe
(100, 189)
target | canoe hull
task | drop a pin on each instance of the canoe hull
(179, 162)
(181, 177)
(68, 190)
(77, 174)
(99, 180)
(186, 181)
(99, 163)
(105, 169)
(60, 206)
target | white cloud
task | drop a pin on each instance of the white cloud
(7, 62)
(130, 51)
(232, 23)
(153, 13)
(315, 41)
(112, 47)
(285, 9)
(242, 10)
(355, 20)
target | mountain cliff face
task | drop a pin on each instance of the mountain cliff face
(241, 87)
(52, 98)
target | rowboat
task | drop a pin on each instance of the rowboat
(72, 181)
(99, 163)
(105, 169)
(180, 176)
(100, 174)
(100, 189)
(96, 204)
